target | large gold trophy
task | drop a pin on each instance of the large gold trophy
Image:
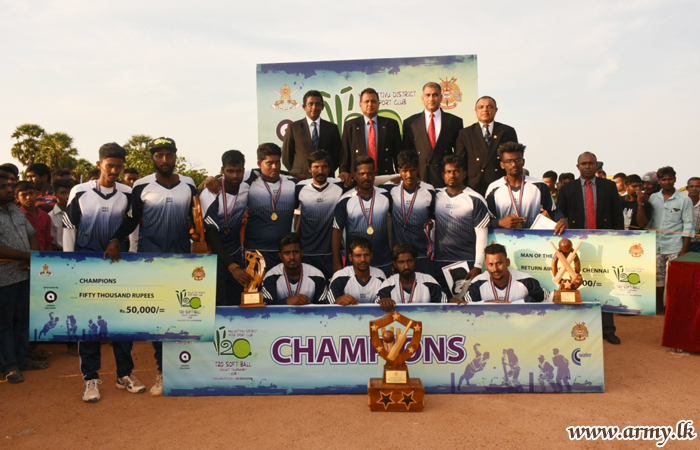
(567, 255)
(251, 296)
(199, 244)
(395, 391)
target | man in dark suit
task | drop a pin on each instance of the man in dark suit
(370, 135)
(309, 134)
(478, 145)
(592, 203)
(432, 134)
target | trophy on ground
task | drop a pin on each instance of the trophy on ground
(251, 297)
(395, 392)
(567, 292)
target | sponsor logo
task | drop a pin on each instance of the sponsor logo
(198, 273)
(636, 251)
(185, 357)
(188, 302)
(285, 102)
(576, 356)
(579, 332)
(45, 272)
(240, 348)
(451, 94)
(50, 297)
(625, 277)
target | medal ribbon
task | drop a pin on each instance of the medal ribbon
(431, 245)
(403, 205)
(362, 207)
(274, 202)
(228, 216)
(413, 291)
(512, 198)
(495, 293)
(289, 286)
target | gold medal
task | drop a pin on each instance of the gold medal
(519, 225)
(273, 216)
(370, 230)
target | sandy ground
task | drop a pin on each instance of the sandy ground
(645, 385)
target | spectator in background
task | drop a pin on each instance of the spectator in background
(25, 193)
(550, 179)
(61, 188)
(600, 173)
(620, 180)
(40, 175)
(672, 211)
(94, 174)
(129, 176)
(12, 170)
(694, 195)
(565, 178)
(635, 208)
(650, 184)
(62, 173)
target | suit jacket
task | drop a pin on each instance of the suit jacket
(608, 213)
(415, 137)
(388, 147)
(298, 145)
(483, 166)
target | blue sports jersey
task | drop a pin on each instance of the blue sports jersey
(345, 281)
(349, 215)
(96, 213)
(214, 216)
(455, 219)
(427, 290)
(535, 196)
(261, 232)
(276, 291)
(166, 214)
(411, 232)
(317, 206)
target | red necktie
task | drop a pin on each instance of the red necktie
(431, 131)
(372, 143)
(590, 207)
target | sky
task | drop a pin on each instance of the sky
(569, 76)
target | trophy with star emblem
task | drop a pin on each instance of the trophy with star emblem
(395, 391)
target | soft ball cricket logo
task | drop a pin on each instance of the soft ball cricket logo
(240, 348)
(186, 302)
(624, 277)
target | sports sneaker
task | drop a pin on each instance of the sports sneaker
(131, 384)
(92, 391)
(157, 389)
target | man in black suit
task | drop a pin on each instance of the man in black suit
(592, 203)
(370, 135)
(432, 134)
(309, 134)
(478, 145)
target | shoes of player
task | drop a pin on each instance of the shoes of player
(131, 384)
(92, 391)
(14, 376)
(34, 365)
(157, 389)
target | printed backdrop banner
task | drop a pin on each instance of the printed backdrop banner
(480, 348)
(618, 267)
(143, 297)
(281, 88)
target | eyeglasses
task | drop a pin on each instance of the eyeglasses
(513, 161)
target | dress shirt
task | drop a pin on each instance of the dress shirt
(437, 120)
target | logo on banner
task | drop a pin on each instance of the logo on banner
(576, 356)
(636, 251)
(285, 102)
(240, 348)
(624, 277)
(198, 273)
(188, 302)
(451, 94)
(185, 357)
(579, 332)
(50, 297)
(45, 272)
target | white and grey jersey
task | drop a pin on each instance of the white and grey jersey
(427, 290)
(276, 291)
(317, 206)
(523, 289)
(345, 281)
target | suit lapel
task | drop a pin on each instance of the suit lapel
(307, 134)
(421, 134)
(359, 131)
(495, 137)
(381, 129)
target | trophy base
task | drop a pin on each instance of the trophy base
(567, 297)
(392, 397)
(252, 300)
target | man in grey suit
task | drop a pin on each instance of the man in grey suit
(309, 134)
(432, 134)
(478, 145)
(370, 135)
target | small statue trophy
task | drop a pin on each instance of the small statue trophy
(567, 292)
(251, 297)
(199, 244)
(395, 391)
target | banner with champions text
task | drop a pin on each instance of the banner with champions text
(144, 297)
(478, 348)
(618, 267)
(398, 81)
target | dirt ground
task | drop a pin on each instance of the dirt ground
(645, 383)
